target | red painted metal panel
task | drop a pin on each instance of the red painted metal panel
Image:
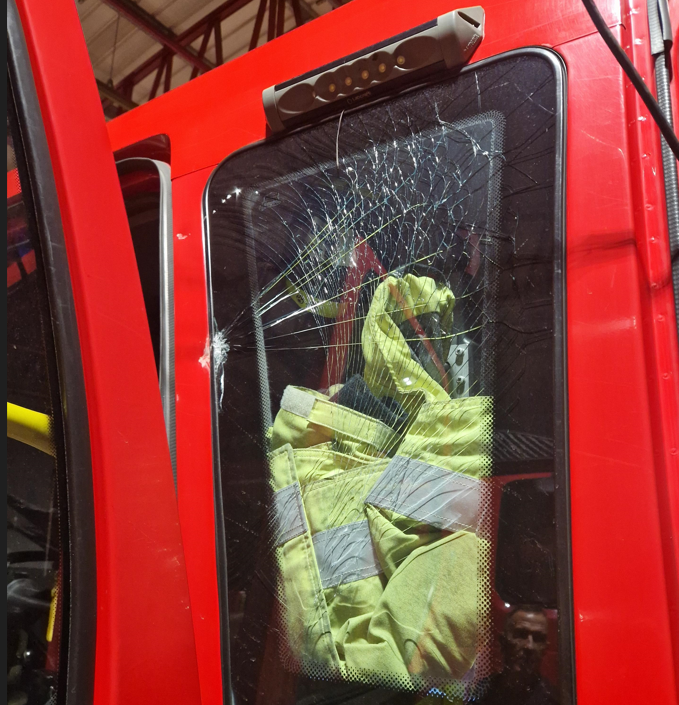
(623, 642)
(13, 185)
(194, 114)
(13, 274)
(194, 440)
(145, 647)
(657, 297)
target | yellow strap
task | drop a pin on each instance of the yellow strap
(53, 614)
(30, 427)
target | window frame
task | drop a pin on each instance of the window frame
(566, 636)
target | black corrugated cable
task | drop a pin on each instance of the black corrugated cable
(633, 75)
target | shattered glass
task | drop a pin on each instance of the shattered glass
(36, 545)
(385, 347)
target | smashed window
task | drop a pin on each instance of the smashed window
(387, 345)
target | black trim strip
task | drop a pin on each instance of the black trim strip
(566, 635)
(220, 522)
(41, 194)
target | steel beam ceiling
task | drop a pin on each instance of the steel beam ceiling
(180, 44)
(162, 34)
(112, 95)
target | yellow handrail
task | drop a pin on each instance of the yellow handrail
(30, 427)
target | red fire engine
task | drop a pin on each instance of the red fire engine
(190, 282)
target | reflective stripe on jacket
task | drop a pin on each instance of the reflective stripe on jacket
(376, 532)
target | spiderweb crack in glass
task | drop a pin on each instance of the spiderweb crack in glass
(391, 273)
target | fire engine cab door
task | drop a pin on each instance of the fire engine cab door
(123, 613)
